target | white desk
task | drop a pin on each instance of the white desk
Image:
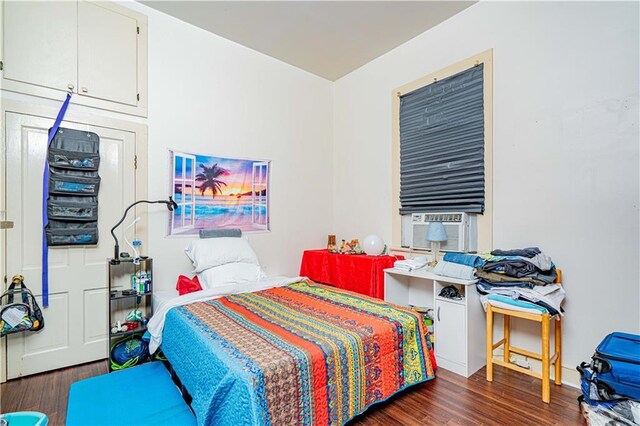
(459, 325)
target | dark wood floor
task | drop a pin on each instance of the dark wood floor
(512, 399)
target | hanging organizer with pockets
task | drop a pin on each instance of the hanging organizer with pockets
(72, 205)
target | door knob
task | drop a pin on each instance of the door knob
(70, 87)
(85, 90)
(6, 224)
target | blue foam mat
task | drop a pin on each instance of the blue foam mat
(143, 395)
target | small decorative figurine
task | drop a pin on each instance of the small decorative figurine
(331, 244)
(351, 247)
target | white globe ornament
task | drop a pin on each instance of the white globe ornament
(373, 245)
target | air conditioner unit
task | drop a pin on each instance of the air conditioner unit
(462, 231)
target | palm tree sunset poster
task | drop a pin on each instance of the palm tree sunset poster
(218, 193)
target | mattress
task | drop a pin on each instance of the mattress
(300, 354)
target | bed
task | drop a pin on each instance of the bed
(302, 353)
(289, 352)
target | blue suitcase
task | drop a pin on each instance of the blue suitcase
(617, 366)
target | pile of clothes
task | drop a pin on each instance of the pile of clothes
(520, 279)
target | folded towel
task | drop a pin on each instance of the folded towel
(411, 264)
(454, 270)
(464, 259)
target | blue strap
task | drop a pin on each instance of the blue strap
(45, 196)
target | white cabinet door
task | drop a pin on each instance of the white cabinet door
(40, 43)
(107, 54)
(450, 331)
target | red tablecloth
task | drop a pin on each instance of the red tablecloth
(360, 273)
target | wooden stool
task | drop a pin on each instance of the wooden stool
(544, 319)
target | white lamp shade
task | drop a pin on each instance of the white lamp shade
(373, 245)
(436, 232)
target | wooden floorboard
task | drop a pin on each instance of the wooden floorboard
(511, 399)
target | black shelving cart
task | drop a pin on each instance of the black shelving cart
(130, 301)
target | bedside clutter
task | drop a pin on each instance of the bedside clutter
(517, 280)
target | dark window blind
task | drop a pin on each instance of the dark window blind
(442, 145)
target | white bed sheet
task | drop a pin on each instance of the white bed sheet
(162, 296)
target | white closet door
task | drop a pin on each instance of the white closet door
(75, 328)
(107, 54)
(40, 43)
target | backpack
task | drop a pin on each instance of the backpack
(24, 315)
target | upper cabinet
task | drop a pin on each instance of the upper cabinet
(98, 50)
(40, 43)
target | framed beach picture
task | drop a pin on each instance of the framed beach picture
(217, 193)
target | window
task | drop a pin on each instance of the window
(443, 147)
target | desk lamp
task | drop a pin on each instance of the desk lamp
(436, 234)
(171, 206)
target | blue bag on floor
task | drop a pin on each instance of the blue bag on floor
(617, 365)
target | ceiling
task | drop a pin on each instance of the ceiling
(326, 38)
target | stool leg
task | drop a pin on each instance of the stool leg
(489, 343)
(545, 359)
(558, 342)
(507, 338)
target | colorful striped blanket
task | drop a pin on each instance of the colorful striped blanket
(302, 354)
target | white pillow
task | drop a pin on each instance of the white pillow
(211, 252)
(231, 273)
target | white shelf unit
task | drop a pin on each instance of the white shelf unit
(459, 325)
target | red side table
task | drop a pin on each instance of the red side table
(359, 273)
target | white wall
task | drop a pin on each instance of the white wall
(566, 165)
(212, 96)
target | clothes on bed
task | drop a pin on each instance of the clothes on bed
(299, 354)
(454, 270)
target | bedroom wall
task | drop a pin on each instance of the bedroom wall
(566, 165)
(212, 96)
